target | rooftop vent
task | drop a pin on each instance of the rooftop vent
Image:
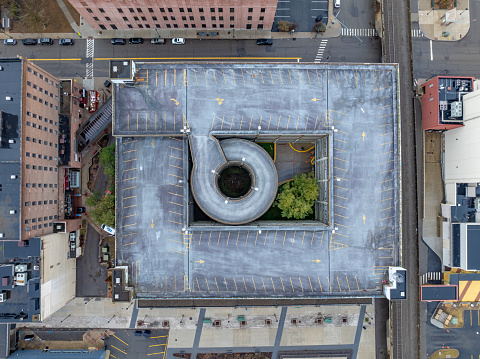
(8, 98)
(12, 211)
(13, 176)
(456, 109)
(11, 141)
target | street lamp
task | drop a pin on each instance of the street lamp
(76, 32)
(80, 75)
(157, 32)
(6, 34)
(430, 11)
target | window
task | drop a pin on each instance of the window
(147, 26)
(232, 9)
(102, 27)
(170, 9)
(139, 9)
(96, 18)
(220, 9)
(204, 25)
(193, 26)
(28, 167)
(140, 26)
(29, 95)
(34, 227)
(202, 18)
(29, 69)
(120, 11)
(55, 186)
(184, 18)
(125, 18)
(172, 18)
(101, 10)
(165, 18)
(29, 83)
(214, 18)
(49, 202)
(175, 26)
(261, 18)
(214, 26)
(221, 26)
(191, 18)
(27, 203)
(212, 9)
(28, 123)
(157, 26)
(28, 155)
(34, 203)
(35, 73)
(27, 229)
(262, 9)
(27, 185)
(259, 26)
(232, 18)
(55, 201)
(150, 9)
(35, 86)
(131, 9)
(185, 25)
(250, 9)
(144, 18)
(220, 18)
(89, 10)
(107, 18)
(27, 221)
(249, 18)
(181, 9)
(135, 18)
(189, 9)
(154, 18)
(35, 98)
(200, 9)
(27, 138)
(130, 27)
(249, 26)
(162, 9)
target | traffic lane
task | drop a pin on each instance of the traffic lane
(55, 51)
(357, 14)
(350, 49)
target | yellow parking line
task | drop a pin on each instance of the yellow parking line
(130, 234)
(119, 339)
(130, 206)
(156, 345)
(113, 346)
(156, 353)
(55, 59)
(128, 244)
(130, 160)
(130, 215)
(128, 225)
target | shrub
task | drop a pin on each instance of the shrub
(296, 198)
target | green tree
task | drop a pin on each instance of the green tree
(319, 27)
(104, 211)
(286, 26)
(93, 199)
(296, 199)
(107, 160)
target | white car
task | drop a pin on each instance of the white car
(178, 41)
(10, 42)
(337, 3)
(108, 229)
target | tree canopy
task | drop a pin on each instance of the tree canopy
(296, 198)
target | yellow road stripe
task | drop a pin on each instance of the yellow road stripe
(55, 59)
(185, 58)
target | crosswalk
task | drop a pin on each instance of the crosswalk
(359, 32)
(417, 33)
(430, 276)
(90, 53)
(320, 51)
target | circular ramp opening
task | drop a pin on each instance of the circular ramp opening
(234, 181)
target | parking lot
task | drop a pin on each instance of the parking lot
(138, 343)
(357, 103)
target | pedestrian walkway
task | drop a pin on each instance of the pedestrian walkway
(432, 20)
(359, 32)
(321, 50)
(417, 33)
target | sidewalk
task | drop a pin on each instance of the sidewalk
(431, 21)
(86, 31)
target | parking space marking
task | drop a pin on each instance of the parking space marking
(128, 244)
(113, 346)
(281, 280)
(120, 339)
(320, 284)
(134, 205)
(244, 284)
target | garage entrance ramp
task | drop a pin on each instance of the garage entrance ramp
(210, 157)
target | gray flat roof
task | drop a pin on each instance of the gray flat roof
(10, 153)
(356, 103)
(473, 247)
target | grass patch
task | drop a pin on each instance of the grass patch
(269, 147)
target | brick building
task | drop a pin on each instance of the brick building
(177, 14)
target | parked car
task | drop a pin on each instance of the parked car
(157, 41)
(66, 42)
(178, 41)
(147, 333)
(138, 333)
(45, 41)
(108, 229)
(135, 40)
(117, 41)
(337, 3)
(29, 337)
(10, 42)
(29, 41)
(265, 42)
(80, 209)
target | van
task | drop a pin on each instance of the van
(157, 41)
(337, 3)
(45, 41)
(29, 41)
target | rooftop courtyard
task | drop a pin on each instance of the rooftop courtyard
(179, 125)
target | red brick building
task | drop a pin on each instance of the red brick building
(177, 14)
(442, 101)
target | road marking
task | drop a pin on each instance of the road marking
(119, 339)
(113, 346)
(417, 33)
(54, 59)
(359, 32)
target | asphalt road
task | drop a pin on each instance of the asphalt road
(69, 61)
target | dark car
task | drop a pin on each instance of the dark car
(138, 333)
(80, 209)
(45, 41)
(66, 42)
(135, 40)
(117, 41)
(265, 42)
(29, 337)
(29, 41)
(147, 333)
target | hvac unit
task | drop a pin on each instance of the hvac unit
(8, 98)
(2, 235)
(11, 141)
(12, 211)
(477, 204)
(13, 176)
(456, 109)
(3, 297)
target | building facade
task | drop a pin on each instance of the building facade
(173, 14)
(40, 108)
